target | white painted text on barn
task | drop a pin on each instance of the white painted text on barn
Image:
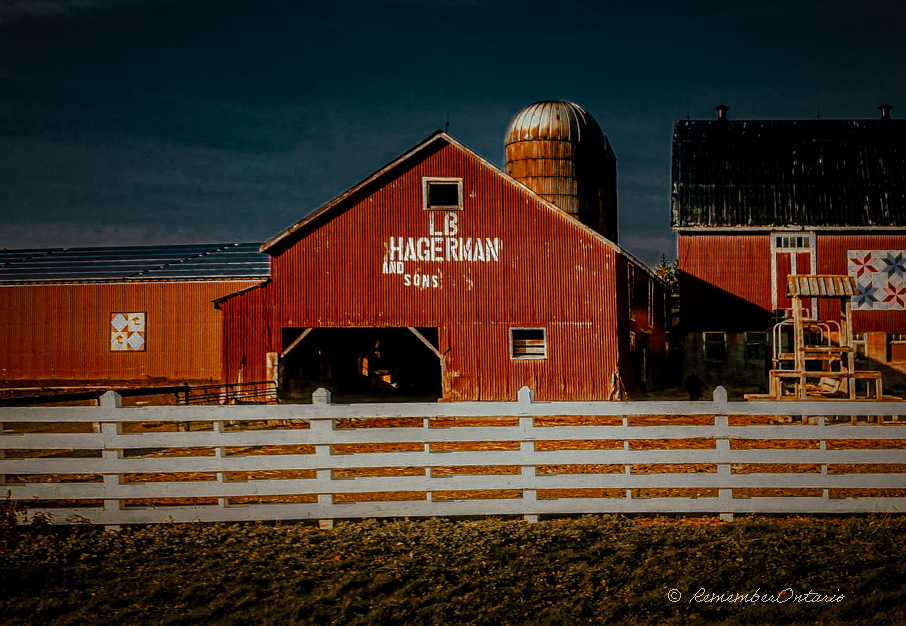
(442, 243)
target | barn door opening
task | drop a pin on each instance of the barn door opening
(361, 364)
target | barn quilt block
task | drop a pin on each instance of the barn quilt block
(127, 332)
(880, 279)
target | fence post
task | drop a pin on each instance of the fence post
(722, 446)
(822, 445)
(426, 424)
(529, 496)
(321, 396)
(627, 467)
(109, 430)
(222, 501)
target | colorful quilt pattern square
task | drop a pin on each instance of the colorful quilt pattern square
(127, 332)
(879, 278)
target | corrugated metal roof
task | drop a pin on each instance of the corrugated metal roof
(789, 173)
(134, 263)
(821, 286)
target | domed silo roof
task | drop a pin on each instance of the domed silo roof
(555, 120)
(557, 150)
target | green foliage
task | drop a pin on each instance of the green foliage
(579, 571)
(668, 273)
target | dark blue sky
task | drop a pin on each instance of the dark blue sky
(168, 121)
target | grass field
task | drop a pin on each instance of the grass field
(588, 570)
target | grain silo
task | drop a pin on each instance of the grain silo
(557, 150)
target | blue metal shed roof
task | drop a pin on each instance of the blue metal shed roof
(222, 261)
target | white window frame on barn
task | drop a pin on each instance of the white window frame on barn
(523, 347)
(713, 339)
(428, 181)
(791, 243)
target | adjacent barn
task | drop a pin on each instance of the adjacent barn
(756, 201)
(134, 315)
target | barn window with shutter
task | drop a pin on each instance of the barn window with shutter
(528, 343)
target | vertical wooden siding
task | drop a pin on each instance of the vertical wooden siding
(832, 251)
(246, 322)
(63, 331)
(725, 280)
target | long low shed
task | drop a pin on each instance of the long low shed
(127, 314)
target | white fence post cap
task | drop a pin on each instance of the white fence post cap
(111, 400)
(720, 395)
(525, 396)
(320, 396)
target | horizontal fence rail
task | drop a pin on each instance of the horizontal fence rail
(111, 465)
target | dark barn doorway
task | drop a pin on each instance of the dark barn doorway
(361, 364)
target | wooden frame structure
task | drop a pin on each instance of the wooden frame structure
(827, 369)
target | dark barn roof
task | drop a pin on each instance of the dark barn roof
(224, 261)
(775, 173)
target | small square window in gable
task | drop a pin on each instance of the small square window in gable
(442, 194)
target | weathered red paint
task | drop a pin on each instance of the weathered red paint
(725, 274)
(725, 280)
(62, 331)
(833, 259)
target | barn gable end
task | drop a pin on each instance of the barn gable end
(501, 288)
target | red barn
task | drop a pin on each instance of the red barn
(756, 201)
(132, 314)
(440, 276)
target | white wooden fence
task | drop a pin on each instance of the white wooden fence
(294, 462)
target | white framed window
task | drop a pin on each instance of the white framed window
(792, 253)
(714, 345)
(793, 243)
(442, 194)
(528, 343)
